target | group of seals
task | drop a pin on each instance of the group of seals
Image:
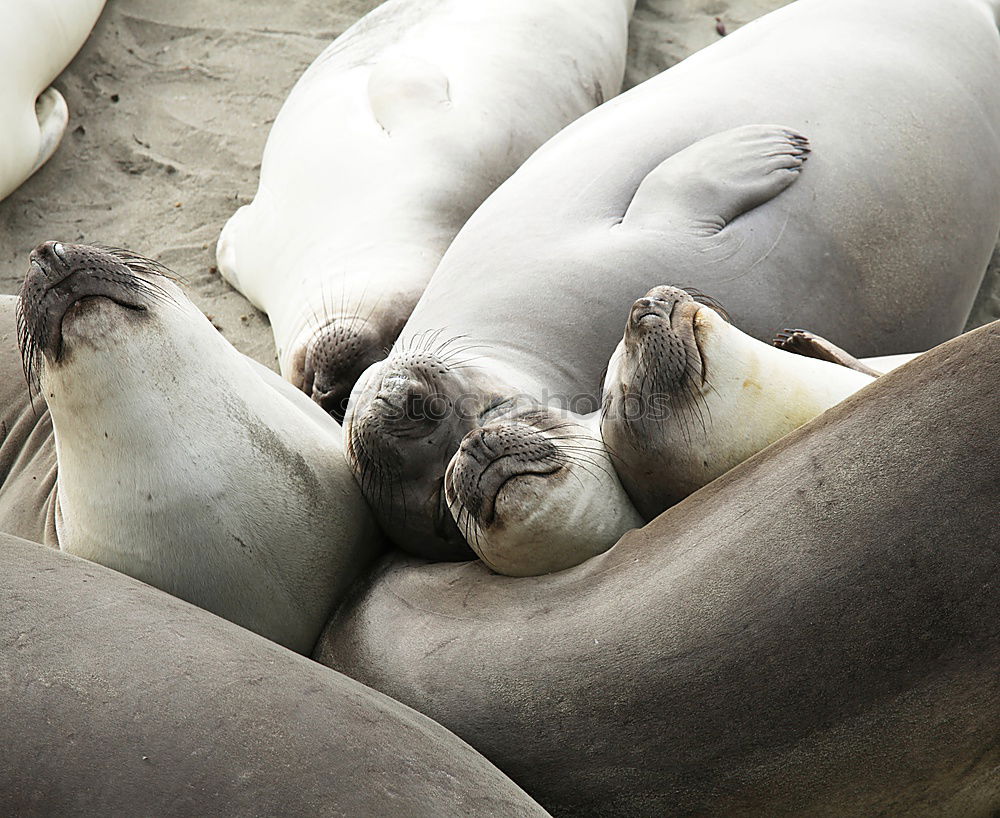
(774, 644)
(387, 144)
(180, 461)
(814, 633)
(37, 40)
(879, 243)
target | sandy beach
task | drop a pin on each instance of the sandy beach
(170, 106)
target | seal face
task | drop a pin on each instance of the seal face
(61, 276)
(535, 491)
(181, 462)
(407, 416)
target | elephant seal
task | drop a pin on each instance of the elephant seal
(607, 209)
(814, 633)
(179, 461)
(37, 40)
(121, 700)
(384, 148)
(688, 396)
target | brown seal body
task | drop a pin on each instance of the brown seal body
(121, 700)
(812, 634)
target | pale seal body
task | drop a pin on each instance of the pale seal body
(38, 38)
(384, 148)
(688, 396)
(879, 246)
(814, 633)
(179, 461)
(121, 700)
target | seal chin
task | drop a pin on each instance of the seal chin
(335, 357)
(64, 280)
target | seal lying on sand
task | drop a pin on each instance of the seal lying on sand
(121, 700)
(879, 246)
(180, 461)
(384, 148)
(38, 38)
(814, 633)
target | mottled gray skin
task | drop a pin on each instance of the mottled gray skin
(879, 246)
(118, 699)
(814, 633)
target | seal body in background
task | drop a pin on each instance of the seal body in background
(383, 149)
(38, 38)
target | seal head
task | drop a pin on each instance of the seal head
(688, 396)
(406, 419)
(535, 492)
(62, 278)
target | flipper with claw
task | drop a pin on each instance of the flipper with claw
(710, 183)
(803, 342)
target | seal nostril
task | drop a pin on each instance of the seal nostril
(59, 250)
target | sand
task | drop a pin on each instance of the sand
(170, 106)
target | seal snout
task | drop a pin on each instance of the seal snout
(60, 276)
(335, 356)
(410, 399)
(491, 457)
(658, 304)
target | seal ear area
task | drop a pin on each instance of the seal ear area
(403, 91)
(710, 183)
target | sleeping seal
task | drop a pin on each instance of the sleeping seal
(879, 246)
(38, 38)
(121, 700)
(814, 633)
(688, 396)
(385, 146)
(172, 457)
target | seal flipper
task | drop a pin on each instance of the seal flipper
(805, 343)
(403, 90)
(710, 183)
(53, 116)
